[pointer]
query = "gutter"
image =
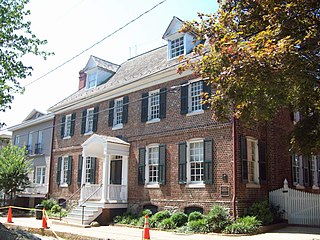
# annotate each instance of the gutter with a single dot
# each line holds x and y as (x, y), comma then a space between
(51, 158)
(234, 195)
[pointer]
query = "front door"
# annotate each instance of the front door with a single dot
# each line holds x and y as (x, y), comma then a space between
(116, 170)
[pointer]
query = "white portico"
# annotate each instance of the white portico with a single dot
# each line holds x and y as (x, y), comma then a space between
(113, 185)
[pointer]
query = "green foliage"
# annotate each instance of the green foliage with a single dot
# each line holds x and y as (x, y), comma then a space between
(14, 170)
(167, 223)
(17, 40)
(145, 212)
(179, 218)
(262, 212)
(194, 216)
(197, 226)
(276, 213)
(56, 208)
(245, 225)
(260, 57)
(218, 218)
(159, 216)
(49, 203)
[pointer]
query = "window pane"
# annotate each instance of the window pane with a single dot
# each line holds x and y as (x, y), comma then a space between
(154, 100)
(177, 47)
(153, 162)
(64, 169)
(67, 126)
(196, 161)
(88, 169)
(195, 92)
(89, 120)
(118, 109)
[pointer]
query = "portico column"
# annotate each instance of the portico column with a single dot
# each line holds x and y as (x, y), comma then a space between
(83, 176)
(105, 177)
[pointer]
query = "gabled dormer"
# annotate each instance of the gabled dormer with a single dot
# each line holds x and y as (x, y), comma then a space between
(34, 114)
(179, 43)
(96, 72)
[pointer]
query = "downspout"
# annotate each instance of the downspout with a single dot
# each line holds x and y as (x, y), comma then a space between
(234, 196)
(51, 158)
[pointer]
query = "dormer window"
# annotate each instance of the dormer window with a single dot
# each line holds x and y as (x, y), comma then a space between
(176, 47)
(91, 79)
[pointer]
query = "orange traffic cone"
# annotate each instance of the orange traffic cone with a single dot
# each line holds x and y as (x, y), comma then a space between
(44, 219)
(9, 218)
(146, 233)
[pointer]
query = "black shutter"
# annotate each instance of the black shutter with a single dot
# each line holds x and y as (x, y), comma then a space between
(184, 98)
(208, 159)
(83, 121)
(182, 164)
(141, 167)
(162, 164)
(95, 119)
(93, 170)
(63, 120)
(69, 171)
(80, 161)
(73, 119)
(262, 162)
(125, 109)
(144, 107)
(306, 172)
(111, 113)
(59, 170)
(244, 158)
(163, 103)
(206, 86)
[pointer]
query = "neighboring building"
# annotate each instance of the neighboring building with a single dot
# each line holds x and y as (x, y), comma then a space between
(137, 136)
(35, 133)
(5, 138)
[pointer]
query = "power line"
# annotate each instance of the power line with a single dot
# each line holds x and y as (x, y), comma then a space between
(95, 44)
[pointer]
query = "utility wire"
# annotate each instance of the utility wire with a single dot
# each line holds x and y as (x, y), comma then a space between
(95, 44)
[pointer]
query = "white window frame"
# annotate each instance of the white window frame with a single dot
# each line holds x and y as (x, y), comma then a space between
(152, 184)
(191, 183)
(88, 169)
(178, 37)
(315, 171)
(89, 120)
(42, 171)
(253, 160)
(92, 77)
(30, 148)
(17, 140)
(64, 171)
(154, 97)
(118, 112)
(67, 126)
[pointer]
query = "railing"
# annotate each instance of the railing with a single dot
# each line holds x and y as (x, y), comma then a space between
(88, 190)
(117, 192)
(37, 148)
(65, 202)
(90, 196)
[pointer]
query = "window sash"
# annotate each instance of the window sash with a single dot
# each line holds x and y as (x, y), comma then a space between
(177, 47)
(154, 105)
(67, 126)
(88, 169)
(40, 175)
(253, 164)
(64, 172)
(196, 160)
(195, 96)
(89, 120)
(92, 78)
(118, 111)
(153, 164)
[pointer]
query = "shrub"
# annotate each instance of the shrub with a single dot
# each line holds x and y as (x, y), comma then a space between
(167, 223)
(245, 225)
(160, 216)
(262, 212)
(56, 208)
(194, 216)
(197, 226)
(145, 212)
(179, 218)
(218, 218)
(276, 213)
(49, 203)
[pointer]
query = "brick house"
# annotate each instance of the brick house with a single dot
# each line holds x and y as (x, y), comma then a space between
(136, 136)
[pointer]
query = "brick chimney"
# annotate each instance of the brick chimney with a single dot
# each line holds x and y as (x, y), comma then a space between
(82, 79)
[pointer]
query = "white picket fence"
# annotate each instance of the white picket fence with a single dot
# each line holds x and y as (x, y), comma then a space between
(299, 207)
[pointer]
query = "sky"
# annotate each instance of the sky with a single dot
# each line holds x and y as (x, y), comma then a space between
(72, 26)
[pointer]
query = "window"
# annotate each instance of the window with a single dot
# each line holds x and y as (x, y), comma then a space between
(29, 146)
(17, 140)
(153, 105)
(195, 162)
(91, 79)
(64, 170)
(89, 120)
(118, 112)
(152, 165)
(253, 157)
(38, 146)
(191, 96)
(176, 47)
(40, 175)
(296, 169)
(67, 127)
(118, 109)
(306, 171)
(90, 169)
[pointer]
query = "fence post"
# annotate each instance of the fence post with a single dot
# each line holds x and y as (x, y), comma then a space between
(286, 199)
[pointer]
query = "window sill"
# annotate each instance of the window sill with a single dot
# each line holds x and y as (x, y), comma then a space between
(118, 126)
(298, 186)
(156, 185)
(252, 185)
(155, 120)
(195, 185)
(88, 133)
(314, 187)
(64, 185)
(195, 112)
(66, 137)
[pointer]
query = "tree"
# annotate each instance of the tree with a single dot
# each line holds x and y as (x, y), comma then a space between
(14, 169)
(16, 41)
(262, 56)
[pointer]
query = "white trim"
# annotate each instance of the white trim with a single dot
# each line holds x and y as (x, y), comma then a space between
(188, 164)
(195, 113)
(30, 123)
(252, 185)
(195, 185)
(147, 183)
(155, 120)
(118, 126)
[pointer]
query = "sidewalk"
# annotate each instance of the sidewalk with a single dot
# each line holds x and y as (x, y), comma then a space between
(126, 233)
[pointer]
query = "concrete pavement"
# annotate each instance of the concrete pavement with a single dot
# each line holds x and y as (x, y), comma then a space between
(127, 233)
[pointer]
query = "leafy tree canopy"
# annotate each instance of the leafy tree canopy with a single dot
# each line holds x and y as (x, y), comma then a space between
(14, 169)
(16, 40)
(262, 56)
